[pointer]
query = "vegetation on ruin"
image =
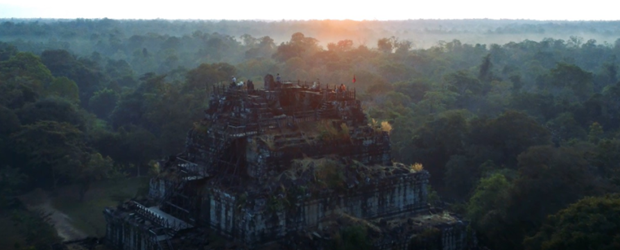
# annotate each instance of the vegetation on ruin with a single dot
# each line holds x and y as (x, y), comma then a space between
(329, 132)
(354, 237)
(428, 239)
(496, 119)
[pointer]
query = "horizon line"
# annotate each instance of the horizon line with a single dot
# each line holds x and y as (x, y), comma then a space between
(301, 20)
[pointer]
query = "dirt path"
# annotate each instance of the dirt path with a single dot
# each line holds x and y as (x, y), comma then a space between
(39, 200)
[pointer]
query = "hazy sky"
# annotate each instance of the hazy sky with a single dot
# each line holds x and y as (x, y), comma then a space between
(311, 9)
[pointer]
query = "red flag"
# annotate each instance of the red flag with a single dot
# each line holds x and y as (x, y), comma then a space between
(353, 78)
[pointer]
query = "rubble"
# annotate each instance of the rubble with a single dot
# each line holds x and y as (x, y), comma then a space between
(277, 167)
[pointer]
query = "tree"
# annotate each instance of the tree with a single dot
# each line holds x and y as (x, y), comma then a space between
(468, 87)
(299, 46)
(596, 132)
(564, 128)
(485, 68)
(590, 223)
(65, 88)
(460, 177)
(46, 143)
(207, 75)
(59, 62)
(88, 168)
(436, 101)
(86, 73)
(572, 77)
(510, 134)
(352, 238)
(487, 208)
(11, 180)
(35, 228)
(9, 123)
(607, 159)
(25, 65)
(341, 46)
(387, 45)
(436, 141)
(133, 105)
(549, 179)
(6, 51)
(130, 146)
(263, 49)
(103, 102)
(52, 109)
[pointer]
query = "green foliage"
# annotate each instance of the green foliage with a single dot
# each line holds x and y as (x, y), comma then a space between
(352, 238)
(429, 239)
(52, 109)
(60, 62)
(573, 77)
(460, 176)
(549, 179)
(11, 181)
(486, 210)
(590, 223)
(88, 168)
(509, 134)
(387, 45)
(65, 88)
(86, 73)
(596, 132)
(433, 196)
(47, 145)
(103, 102)
(328, 132)
(564, 127)
(436, 141)
(207, 75)
(436, 101)
(606, 159)
(35, 228)
(25, 65)
(489, 199)
(330, 174)
(131, 145)
(7, 51)
(9, 122)
(18, 92)
(298, 46)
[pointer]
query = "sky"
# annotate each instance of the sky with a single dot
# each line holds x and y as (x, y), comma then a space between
(312, 9)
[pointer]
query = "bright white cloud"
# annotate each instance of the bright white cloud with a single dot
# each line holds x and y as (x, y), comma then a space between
(318, 9)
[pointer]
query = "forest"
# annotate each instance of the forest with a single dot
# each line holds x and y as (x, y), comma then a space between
(518, 122)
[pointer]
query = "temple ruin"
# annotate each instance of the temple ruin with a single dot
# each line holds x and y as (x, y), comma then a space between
(285, 167)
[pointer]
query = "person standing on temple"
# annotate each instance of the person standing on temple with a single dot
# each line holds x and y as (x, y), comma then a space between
(278, 78)
(250, 86)
(233, 82)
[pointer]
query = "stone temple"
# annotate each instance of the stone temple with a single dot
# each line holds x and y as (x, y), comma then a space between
(290, 166)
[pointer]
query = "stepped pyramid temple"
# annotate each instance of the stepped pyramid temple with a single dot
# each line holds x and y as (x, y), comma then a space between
(290, 166)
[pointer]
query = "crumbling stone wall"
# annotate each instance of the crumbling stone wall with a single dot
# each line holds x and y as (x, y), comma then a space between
(267, 218)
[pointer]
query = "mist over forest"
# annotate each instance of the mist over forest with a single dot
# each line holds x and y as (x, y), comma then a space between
(421, 33)
(517, 121)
